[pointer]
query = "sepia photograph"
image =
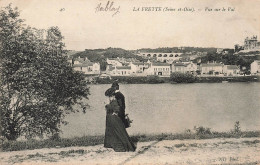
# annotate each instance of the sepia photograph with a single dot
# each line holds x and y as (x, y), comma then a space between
(130, 82)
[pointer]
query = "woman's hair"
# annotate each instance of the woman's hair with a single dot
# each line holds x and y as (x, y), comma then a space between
(110, 92)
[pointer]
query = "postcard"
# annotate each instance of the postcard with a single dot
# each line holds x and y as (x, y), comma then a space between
(130, 82)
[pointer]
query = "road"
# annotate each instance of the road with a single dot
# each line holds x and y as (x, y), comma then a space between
(208, 151)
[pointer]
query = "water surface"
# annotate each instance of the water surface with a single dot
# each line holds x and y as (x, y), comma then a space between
(171, 108)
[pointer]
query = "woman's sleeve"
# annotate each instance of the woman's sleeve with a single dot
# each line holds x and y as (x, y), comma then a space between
(115, 106)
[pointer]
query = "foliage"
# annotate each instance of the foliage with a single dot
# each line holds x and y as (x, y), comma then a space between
(95, 140)
(132, 80)
(215, 79)
(202, 130)
(182, 77)
(38, 87)
(154, 80)
(50, 143)
(237, 129)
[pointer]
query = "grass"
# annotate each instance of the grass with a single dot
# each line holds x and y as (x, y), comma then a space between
(63, 142)
(95, 140)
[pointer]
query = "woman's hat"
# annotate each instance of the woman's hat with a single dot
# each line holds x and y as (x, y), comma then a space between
(110, 92)
(115, 84)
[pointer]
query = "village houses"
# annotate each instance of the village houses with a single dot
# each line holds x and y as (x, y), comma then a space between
(114, 62)
(231, 70)
(85, 66)
(255, 67)
(211, 68)
(140, 68)
(184, 67)
(160, 69)
(118, 70)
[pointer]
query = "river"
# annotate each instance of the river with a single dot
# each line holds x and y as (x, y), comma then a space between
(173, 108)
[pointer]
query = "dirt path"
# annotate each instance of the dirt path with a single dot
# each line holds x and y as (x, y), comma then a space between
(210, 151)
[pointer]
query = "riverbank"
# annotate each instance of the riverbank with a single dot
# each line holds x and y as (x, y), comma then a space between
(201, 133)
(203, 151)
(157, 80)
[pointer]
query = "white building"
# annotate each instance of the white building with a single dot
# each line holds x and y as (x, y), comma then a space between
(159, 69)
(231, 70)
(85, 66)
(88, 68)
(184, 67)
(140, 68)
(214, 68)
(114, 62)
(255, 67)
(118, 70)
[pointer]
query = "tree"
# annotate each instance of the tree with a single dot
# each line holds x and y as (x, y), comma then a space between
(38, 86)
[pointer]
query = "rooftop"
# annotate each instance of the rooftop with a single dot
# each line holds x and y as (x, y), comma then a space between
(119, 67)
(179, 64)
(123, 67)
(83, 65)
(140, 63)
(211, 64)
(160, 64)
(232, 67)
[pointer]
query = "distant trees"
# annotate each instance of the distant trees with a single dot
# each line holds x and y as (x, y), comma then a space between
(37, 85)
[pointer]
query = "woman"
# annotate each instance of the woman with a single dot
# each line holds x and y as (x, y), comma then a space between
(116, 136)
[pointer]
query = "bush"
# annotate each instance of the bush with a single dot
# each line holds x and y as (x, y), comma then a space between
(202, 131)
(131, 80)
(154, 80)
(182, 77)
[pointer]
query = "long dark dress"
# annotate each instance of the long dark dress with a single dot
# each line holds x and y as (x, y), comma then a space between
(116, 136)
(120, 98)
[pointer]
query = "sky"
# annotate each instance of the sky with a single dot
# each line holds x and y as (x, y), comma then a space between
(84, 26)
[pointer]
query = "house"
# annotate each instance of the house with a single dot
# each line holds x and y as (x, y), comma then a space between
(211, 68)
(139, 68)
(85, 66)
(255, 67)
(219, 50)
(114, 62)
(126, 60)
(179, 67)
(184, 67)
(231, 70)
(159, 69)
(118, 70)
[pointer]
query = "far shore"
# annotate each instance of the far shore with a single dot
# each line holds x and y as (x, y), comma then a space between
(158, 80)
